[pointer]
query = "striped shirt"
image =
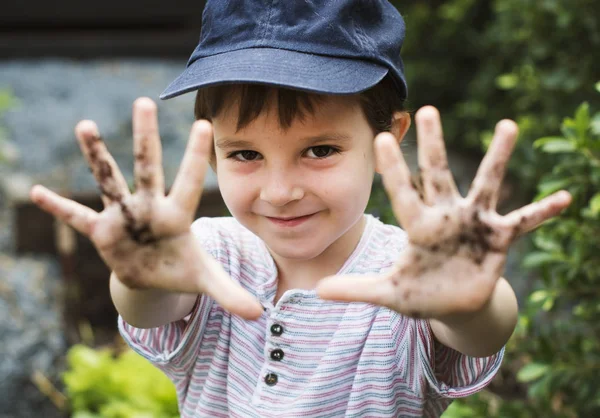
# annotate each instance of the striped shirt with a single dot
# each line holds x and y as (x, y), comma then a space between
(305, 357)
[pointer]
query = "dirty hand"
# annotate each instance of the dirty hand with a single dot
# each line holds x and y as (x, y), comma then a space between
(457, 245)
(144, 237)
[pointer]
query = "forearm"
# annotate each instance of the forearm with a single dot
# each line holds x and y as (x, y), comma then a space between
(484, 332)
(149, 308)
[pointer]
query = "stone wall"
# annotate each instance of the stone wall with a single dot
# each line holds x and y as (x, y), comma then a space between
(53, 95)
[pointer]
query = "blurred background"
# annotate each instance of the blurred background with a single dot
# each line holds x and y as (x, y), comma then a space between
(537, 62)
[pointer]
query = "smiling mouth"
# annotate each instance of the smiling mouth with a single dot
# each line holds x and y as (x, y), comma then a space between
(290, 221)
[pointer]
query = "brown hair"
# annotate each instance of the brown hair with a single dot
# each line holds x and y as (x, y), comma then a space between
(378, 103)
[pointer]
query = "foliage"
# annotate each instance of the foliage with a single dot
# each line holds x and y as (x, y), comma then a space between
(533, 61)
(7, 101)
(554, 354)
(482, 61)
(102, 385)
(557, 337)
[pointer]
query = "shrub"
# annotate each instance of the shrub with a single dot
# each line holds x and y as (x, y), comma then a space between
(556, 341)
(100, 384)
(482, 61)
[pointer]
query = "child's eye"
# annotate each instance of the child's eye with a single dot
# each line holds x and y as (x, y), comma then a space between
(323, 151)
(244, 156)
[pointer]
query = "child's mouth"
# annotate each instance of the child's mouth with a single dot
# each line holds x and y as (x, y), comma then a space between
(290, 221)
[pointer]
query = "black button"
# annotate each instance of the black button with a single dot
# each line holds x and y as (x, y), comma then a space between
(276, 330)
(277, 354)
(271, 379)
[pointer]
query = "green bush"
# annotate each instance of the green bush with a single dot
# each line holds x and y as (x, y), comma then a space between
(7, 102)
(100, 384)
(482, 61)
(556, 341)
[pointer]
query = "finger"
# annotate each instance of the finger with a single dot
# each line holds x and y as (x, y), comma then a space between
(229, 294)
(396, 177)
(147, 151)
(189, 182)
(438, 184)
(531, 216)
(80, 217)
(377, 290)
(111, 182)
(486, 186)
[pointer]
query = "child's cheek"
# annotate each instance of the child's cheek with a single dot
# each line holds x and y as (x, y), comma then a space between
(231, 168)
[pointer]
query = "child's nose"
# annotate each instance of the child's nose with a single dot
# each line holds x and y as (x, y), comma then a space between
(280, 189)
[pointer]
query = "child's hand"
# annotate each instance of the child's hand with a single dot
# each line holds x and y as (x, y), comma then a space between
(145, 237)
(457, 246)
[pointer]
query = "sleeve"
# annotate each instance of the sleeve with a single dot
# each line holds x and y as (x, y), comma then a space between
(447, 373)
(451, 374)
(439, 371)
(173, 347)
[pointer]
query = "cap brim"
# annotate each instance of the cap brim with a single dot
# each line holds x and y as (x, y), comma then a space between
(279, 67)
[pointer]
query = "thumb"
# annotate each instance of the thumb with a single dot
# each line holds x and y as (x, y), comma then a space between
(227, 293)
(376, 289)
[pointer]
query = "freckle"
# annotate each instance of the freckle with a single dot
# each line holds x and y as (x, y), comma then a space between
(417, 258)
(406, 294)
(446, 217)
(435, 248)
(395, 281)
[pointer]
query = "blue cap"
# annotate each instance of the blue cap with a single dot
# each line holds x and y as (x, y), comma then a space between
(323, 46)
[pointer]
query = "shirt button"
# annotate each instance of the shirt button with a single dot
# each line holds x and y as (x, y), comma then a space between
(276, 330)
(277, 354)
(271, 379)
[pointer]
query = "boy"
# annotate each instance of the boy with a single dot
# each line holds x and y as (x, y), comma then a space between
(300, 304)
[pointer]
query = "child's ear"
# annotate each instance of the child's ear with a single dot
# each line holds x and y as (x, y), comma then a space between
(400, 126)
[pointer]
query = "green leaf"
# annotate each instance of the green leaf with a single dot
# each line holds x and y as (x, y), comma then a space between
(548, 304)
(7, 100)
(556, 145)
(595, 204)
(538, 259)
(507, 81)
(541, 141)
(598, 86)
(545, 243)
(582, 120)
(532, 371)
(595, 124)
(550, 186)
(538, 296)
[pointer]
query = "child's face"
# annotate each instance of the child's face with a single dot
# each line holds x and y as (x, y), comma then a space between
(265, 173)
